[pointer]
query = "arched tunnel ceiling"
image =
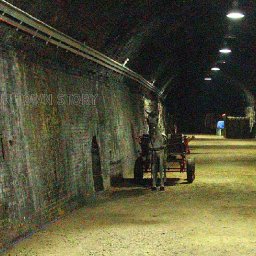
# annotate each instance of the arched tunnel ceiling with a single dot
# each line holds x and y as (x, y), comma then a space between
(163, 39)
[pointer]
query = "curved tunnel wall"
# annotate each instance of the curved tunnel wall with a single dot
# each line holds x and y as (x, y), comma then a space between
(47, 129)
(46, 165)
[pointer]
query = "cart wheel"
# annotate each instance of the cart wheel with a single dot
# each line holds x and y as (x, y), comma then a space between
(190, 170)
(138, 170)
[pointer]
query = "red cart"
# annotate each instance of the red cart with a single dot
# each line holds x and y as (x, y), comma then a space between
(176, 160)
(176, 156)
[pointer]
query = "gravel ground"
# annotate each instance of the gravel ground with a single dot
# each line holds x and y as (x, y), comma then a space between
(216, 215)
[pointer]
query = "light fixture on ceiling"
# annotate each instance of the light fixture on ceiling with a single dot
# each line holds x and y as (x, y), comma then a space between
(230, 36)
(215, 68)
(221, 62)
(208, 79)
(225, 50)
(125, 62)
(235, 13)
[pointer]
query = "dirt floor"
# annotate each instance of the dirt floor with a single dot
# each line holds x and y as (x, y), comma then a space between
(216, 215)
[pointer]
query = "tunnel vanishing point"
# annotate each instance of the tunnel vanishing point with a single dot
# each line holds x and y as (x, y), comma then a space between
(79, 78)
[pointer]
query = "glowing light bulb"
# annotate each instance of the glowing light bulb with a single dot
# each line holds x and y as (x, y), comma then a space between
(235, 15)
(225, 50)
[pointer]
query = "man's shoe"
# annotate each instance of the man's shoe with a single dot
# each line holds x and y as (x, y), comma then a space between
(153, 188)
(161, 188)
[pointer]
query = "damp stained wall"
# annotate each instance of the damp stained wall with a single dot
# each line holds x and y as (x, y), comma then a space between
(46, 140)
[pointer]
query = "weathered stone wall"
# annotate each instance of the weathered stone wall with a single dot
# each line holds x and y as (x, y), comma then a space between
(46, 161)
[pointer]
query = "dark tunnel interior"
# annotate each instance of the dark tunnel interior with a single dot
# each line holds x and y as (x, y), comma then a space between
(84, 83)
(177, 40)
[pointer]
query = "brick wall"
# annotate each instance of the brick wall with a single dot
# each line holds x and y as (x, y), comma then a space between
(46, 161)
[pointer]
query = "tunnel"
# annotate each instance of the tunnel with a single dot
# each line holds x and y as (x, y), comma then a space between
(83, 84)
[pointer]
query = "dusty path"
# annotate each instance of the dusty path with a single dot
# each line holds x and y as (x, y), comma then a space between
(216, 215)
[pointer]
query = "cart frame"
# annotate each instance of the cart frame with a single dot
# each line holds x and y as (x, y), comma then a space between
(176, 150)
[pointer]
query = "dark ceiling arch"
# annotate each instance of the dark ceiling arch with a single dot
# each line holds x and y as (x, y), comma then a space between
(148, 32)
(163, 39)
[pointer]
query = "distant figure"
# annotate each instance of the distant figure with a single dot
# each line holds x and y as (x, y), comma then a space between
(220, 128)
(221, 125)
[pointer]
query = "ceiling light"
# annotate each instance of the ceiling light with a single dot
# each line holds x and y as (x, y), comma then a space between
(225, 50)
(208, 79)
(230, 36)
(215, 69)
(125, 62)
(221, 62)
(235, 14)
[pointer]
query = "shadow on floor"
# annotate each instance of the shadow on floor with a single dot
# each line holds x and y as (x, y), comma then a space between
(128, 183)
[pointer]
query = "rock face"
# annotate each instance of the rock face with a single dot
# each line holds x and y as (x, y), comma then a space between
(59, 130)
